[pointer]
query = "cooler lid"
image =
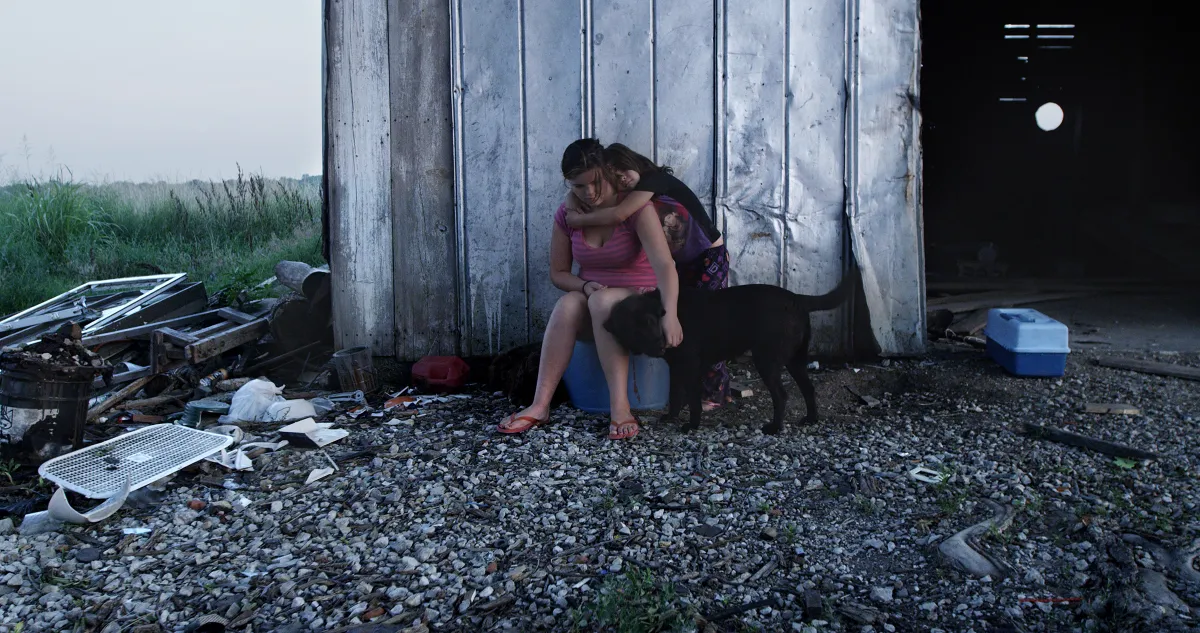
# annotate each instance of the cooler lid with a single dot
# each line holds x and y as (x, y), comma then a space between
(1028, 331)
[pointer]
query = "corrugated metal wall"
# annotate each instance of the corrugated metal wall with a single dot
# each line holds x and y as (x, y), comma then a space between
(764, 145)
(787, 117)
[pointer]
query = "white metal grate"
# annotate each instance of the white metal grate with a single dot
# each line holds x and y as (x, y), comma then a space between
(144, 456)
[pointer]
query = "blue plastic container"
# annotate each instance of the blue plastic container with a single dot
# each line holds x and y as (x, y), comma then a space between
(649, 381)
(1026, 342)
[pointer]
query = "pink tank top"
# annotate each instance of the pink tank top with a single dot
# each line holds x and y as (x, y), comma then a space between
(620, 263)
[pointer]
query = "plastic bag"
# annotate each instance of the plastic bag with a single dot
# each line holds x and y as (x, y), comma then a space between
(322, 405)
(289, 410)
(252, 400)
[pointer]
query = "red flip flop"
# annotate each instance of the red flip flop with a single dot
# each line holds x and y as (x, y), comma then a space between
(513, 431)
(614, 434)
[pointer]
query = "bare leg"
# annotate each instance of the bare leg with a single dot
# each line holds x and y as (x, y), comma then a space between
(613, 358)
(569, 318)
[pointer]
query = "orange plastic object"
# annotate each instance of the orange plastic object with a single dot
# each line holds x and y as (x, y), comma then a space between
(441, 373)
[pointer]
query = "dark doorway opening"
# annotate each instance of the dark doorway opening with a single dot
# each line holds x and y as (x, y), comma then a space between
(1061, 159)
(1063, 135)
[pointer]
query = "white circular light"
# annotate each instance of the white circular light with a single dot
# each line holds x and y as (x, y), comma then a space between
(1049, 116)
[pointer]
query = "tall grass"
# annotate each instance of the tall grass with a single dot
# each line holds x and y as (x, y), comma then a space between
(56, 234)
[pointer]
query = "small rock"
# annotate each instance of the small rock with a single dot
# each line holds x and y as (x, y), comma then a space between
(881, 594)
(6, 527)
(87, 555)
(769, 534)
(875, 543)
(710, 531)
(1034, 577)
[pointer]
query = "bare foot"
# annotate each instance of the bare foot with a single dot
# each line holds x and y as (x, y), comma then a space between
(524, 420)
(623, 430)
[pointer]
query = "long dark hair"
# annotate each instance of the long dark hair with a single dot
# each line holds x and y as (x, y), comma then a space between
(582, 155)
(620, 158)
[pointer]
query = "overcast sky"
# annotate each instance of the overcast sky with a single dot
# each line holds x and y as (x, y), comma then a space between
(156, 89)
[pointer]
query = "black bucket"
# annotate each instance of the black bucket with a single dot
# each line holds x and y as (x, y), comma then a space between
(42, 416)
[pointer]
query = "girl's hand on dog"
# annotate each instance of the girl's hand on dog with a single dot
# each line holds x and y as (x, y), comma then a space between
(672, 331)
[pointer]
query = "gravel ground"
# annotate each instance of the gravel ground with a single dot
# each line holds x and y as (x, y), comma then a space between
(438, 522)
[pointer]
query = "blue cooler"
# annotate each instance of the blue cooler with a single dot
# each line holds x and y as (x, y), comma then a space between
(1026, 342)
(649, 381)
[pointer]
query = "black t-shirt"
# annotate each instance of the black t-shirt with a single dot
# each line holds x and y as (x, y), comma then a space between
(662, 183)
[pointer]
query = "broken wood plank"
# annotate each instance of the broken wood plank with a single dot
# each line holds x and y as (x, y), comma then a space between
(1150, 367)
(178, 338)
(205, 349)
(1109, 407)
(189, 299)
(764, 570)
(149, 403)
(146, 330)
(237, 316)
(1083, 441)
(982, 301)
(118, 397)
(212, 330)
(1046, 285)
(972, 324)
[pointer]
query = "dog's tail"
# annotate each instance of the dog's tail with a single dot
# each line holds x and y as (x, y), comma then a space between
(832, 299)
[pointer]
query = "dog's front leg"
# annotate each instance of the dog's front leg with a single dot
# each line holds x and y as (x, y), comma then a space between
(674, 398)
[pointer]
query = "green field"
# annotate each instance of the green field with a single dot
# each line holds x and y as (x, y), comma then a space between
(56, 234)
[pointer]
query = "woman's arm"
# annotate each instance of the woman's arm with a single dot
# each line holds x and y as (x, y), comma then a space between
(560, 266)
(650, 232)
(610, 215)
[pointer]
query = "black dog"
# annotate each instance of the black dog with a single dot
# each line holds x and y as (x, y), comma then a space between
(719, 325)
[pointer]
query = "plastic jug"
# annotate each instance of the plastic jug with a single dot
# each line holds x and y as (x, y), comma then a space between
(441, 373)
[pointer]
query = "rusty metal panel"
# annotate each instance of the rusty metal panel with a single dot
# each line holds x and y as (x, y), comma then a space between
(622, 73)
(360, 174)
(553, 75)
(683, 117)
(753, 51)
(886, 210)
(492, 205)
(814, 171)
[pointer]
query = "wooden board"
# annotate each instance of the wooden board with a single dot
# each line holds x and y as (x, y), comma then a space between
(1150, 367)
(422, 181)
(359, 174)
(999, 299)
